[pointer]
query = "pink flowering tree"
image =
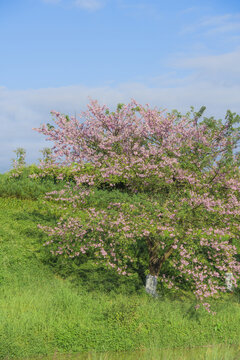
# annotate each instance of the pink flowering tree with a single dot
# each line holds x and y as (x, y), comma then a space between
(188, 225)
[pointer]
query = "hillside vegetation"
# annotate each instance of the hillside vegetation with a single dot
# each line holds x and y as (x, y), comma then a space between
(51, 304)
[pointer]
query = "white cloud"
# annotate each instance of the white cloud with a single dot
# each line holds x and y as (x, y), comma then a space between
(214, 82)
(220, 69)
(222, 24)
(90, 5)
(213, 25)
(220, 20)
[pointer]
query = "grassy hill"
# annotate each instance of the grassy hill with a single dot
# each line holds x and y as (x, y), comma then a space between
(49, 304)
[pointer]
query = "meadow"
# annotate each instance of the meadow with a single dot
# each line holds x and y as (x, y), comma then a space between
(54, 308)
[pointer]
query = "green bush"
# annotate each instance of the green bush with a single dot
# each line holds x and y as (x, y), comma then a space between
(23, 187)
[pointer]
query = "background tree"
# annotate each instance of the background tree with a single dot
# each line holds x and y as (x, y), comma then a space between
(20, 161)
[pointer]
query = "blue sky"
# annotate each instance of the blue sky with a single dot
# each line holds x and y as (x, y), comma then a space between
(56, 53)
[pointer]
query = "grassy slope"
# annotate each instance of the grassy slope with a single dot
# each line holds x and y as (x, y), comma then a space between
(40, 312)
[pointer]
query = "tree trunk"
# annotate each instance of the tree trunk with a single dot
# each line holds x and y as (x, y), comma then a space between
(228, 281)
(155, 264)
(151, 285)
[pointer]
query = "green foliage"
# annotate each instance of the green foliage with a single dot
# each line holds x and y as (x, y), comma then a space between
(23, 187)
(59, 175)
(20, 161)
(46, 153)
(49, 126)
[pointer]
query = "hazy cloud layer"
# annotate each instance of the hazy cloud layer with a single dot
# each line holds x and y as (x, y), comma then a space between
(214, 82)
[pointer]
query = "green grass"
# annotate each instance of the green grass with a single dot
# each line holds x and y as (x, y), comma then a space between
(216, 352)
(49, 306)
